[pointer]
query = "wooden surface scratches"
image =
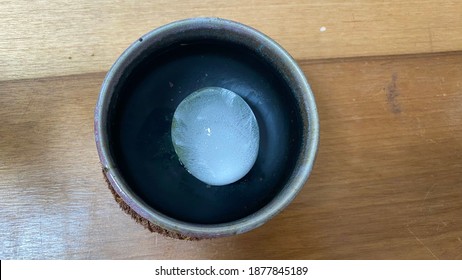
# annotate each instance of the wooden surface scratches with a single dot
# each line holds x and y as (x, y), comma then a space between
(56, 38)
(387, 182)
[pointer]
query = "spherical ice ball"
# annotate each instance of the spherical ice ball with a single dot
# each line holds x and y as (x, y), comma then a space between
(215, 135)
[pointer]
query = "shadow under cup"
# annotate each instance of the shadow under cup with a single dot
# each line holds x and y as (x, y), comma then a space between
(134, 117)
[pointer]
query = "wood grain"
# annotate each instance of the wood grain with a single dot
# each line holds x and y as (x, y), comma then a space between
(387, 183)
(55, 38)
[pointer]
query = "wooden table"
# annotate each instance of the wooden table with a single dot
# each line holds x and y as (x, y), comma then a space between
(387, 76)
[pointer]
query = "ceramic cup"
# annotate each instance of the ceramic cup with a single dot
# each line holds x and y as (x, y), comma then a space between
(133, 120)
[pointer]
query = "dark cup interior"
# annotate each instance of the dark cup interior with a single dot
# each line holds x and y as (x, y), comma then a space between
(140, 116)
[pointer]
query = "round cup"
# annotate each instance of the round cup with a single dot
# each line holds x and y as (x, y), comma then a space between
(134, 113)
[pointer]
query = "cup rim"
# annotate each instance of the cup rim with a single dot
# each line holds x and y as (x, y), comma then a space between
(267, 48)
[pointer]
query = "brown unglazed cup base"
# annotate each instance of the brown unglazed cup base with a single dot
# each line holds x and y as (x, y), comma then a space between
(143, 221)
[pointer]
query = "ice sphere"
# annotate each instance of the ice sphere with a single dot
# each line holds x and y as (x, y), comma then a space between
(215, 135)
